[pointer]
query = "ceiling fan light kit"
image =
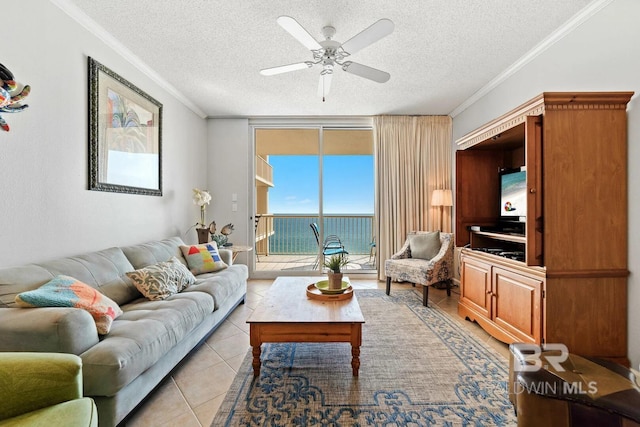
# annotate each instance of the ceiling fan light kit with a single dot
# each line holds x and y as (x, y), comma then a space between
(329, 53)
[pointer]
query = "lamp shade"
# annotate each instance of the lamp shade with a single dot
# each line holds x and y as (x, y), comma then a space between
(442, 198)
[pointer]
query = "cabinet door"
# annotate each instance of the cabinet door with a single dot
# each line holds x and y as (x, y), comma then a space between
(517, 305)
(476, 286)
(534, 221)
(477, 188)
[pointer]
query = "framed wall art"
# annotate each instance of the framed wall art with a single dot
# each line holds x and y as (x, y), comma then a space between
(125, 135)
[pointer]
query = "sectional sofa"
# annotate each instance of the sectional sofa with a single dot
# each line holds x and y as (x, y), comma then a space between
(144, 344)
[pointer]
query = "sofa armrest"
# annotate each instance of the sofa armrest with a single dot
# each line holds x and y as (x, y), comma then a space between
(226, 255)
(31, 381)
(47, 329)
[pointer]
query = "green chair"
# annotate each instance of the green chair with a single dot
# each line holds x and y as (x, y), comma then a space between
(43, 389)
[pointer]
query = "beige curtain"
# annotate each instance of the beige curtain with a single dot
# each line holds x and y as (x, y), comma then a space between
(413, 158)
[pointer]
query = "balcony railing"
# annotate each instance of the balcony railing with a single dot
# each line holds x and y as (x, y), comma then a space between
(292, 234)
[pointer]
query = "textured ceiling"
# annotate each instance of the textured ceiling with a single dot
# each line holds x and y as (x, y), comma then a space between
(440, 53)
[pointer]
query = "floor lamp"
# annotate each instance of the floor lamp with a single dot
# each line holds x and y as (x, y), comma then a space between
(441, 198)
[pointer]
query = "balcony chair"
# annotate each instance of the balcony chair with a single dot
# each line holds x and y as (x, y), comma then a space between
(257, 222)
(426, 258)
(372, 250)
(43, 389)
(332, 245)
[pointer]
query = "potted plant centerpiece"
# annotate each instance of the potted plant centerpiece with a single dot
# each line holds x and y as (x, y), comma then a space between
(334, 264)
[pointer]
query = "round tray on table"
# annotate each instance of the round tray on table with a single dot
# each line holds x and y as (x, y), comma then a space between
(313, 292)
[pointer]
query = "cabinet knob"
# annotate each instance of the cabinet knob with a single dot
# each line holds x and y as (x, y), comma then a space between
(532, 190)
(489, 292)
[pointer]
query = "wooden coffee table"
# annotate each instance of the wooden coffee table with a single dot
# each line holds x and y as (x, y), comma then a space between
(285, 314)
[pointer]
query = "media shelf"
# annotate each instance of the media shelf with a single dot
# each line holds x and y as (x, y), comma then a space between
(503, 237)
(507, 245)
(548, 283)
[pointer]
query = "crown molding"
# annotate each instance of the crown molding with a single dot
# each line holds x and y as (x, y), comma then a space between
(94, 28)
(545, 44)
(324, 121)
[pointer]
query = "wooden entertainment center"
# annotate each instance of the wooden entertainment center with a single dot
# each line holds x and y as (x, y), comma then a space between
(562, 276)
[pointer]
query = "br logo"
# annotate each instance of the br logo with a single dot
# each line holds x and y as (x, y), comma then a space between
(554, 355)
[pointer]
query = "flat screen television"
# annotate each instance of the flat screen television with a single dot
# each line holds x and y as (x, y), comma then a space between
(513, 194)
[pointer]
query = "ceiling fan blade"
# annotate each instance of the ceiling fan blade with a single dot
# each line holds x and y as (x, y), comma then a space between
(298, 32)
(324, 85)
(368, 36)
(366, 72)
(284, 69)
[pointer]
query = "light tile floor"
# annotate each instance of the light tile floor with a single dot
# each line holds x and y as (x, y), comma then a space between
(193, 394)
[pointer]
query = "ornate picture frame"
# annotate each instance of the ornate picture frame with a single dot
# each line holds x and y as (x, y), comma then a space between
(125, 135)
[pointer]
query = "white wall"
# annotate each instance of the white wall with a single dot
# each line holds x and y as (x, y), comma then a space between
(229, 168)
(46, 210)
(603, 54)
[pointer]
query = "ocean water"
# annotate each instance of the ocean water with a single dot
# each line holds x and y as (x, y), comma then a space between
(293, 235)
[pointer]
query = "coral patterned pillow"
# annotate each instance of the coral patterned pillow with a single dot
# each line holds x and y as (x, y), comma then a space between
(65, 291)
(203, 258)
(160, 281)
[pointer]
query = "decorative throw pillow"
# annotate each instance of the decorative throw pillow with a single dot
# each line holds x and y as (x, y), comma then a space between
(203, 258)
(425, 245)
(65, 291)
(181, 274)
(160, 281)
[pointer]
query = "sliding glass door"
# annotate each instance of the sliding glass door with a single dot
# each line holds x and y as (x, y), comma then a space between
(311, 183)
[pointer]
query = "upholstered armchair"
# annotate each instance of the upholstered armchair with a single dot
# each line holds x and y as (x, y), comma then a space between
(426, 265)
(43, 389)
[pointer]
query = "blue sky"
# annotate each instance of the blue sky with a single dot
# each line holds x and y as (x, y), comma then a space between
(348, 184)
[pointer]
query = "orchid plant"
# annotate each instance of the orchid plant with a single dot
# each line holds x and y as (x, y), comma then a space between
(201, 198)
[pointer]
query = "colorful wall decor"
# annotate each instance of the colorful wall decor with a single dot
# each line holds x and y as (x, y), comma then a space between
(125, 135)
(11, 95)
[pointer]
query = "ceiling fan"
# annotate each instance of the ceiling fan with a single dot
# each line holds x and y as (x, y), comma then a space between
(329, 53)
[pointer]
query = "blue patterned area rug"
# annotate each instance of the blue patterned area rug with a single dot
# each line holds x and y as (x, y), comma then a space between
(419, 367)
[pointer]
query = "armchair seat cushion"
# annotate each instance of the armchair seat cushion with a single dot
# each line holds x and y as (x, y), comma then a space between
(78, 413)
(413, 270)
(43, 389)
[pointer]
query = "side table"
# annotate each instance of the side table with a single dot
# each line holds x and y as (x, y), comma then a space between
(236, 249)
